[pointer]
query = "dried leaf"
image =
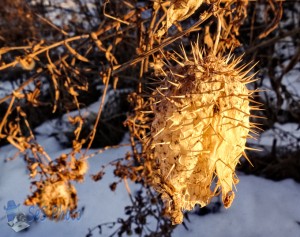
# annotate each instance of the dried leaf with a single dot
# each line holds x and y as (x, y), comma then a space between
(207, 38)
(98, 176)
(76, 54)
(4, 50)
(180, 10)
(26, 63)
(113, 186)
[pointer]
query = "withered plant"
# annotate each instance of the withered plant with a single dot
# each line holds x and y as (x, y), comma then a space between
(180, 81)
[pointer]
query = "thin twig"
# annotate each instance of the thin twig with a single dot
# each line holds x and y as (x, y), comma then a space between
(162, 45)
(93, 133)
(218, 36)
(272, 41)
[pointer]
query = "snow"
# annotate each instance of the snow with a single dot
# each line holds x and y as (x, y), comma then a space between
(261, 207)
(287, 134)
(101, 205)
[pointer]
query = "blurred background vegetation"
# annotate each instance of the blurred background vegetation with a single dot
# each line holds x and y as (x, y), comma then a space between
(60, 56)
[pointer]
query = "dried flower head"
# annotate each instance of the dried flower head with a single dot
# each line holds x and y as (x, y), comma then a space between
(55, 199)
(79, 169)
(199, 131)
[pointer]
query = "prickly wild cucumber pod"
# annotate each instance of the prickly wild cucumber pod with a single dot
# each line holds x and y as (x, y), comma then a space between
(199, 130)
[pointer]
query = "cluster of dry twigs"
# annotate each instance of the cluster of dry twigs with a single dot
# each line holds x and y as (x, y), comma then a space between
(56, 59)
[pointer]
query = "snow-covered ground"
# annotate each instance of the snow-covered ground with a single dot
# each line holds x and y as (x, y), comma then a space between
(261, 207)
(101, 205)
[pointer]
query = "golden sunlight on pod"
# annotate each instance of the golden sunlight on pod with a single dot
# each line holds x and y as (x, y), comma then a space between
(199, 131)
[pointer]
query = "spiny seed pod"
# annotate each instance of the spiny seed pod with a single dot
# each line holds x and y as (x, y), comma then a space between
(199, 131)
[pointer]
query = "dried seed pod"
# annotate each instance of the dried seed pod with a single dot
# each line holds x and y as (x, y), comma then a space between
(199, 131)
